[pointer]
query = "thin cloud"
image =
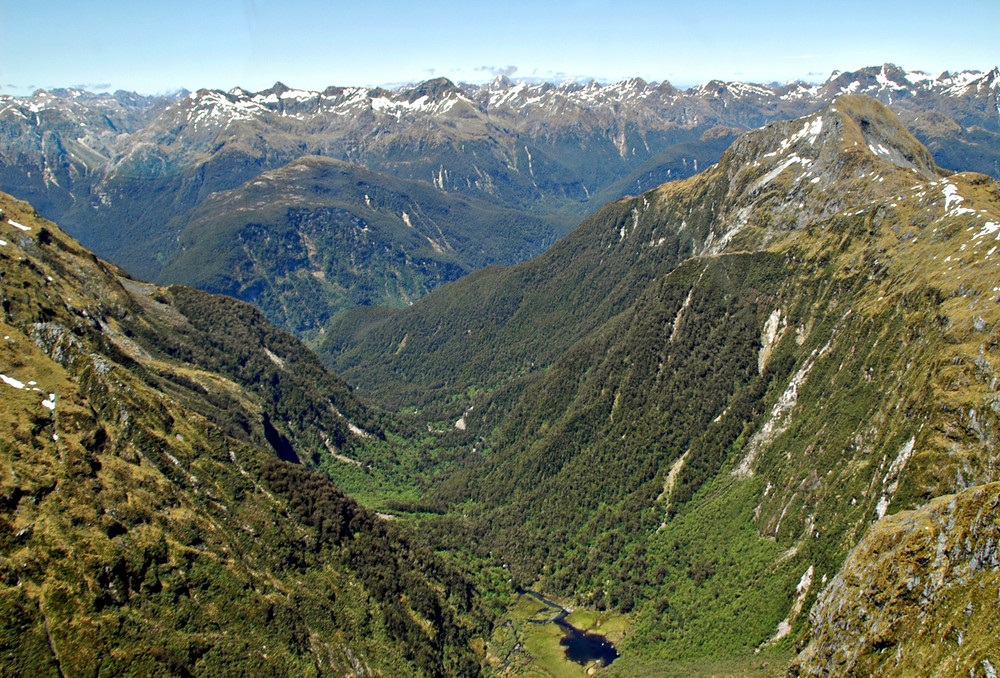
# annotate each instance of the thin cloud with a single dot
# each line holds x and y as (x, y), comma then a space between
(92, 87)
(820, 56)
(496, 71)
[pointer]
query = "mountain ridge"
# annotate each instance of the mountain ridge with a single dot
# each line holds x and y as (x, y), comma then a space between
(130, 175)
(129, 189)
(807, 352)
(315, 236)
(745, 176)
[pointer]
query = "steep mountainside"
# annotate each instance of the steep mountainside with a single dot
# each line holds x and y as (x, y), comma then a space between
(57, 144)
(128, 175)
(531, 314)
(318, 235)
(150, 521)
(695, 406)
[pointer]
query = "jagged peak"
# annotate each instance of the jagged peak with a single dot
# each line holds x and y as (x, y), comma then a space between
(201, 93)
(788, 174)
(734, 89)
(849, 124)
(895, 81)
(278, 88)
(435, 90)
(500, 82)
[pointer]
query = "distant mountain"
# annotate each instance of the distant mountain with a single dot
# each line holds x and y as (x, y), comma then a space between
(57, 144)
(157, 512)
(719, 404)
(316, 236)
(129, 174)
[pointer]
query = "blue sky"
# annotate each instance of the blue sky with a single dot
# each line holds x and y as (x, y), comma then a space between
(154, 47)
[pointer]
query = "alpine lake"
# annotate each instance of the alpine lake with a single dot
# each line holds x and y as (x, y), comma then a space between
(542, 638)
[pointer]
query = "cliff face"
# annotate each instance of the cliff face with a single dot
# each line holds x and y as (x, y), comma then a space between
(918, 595)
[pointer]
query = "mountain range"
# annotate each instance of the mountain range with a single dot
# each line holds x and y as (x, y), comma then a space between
(136, 178)
(744, 417)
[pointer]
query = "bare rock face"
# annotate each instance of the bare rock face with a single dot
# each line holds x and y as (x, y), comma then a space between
(917, 596)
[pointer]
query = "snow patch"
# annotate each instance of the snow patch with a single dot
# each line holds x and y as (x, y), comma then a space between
(17, 225)
(811, 129)
(989, 228)
(773, 174)
(51, 402)
(11, 381)
(299, 94)
(951, 196)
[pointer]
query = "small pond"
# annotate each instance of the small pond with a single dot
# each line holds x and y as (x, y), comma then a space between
(582, 647)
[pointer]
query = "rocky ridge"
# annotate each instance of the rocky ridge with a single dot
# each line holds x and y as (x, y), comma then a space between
(109, 168)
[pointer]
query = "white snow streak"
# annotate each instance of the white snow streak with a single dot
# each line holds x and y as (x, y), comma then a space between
(11, 381)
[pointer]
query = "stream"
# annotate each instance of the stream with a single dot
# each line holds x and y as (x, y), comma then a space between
(582, 647)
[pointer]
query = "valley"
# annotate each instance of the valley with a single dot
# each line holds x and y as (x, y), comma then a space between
(738, 419)
(311, 203)
(769, 437)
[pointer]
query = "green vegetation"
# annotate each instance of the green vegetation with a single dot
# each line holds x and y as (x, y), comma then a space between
(630, 443)
(318, 236)
(767, 665)
(717, 421)
(139, 537)
(523, 644)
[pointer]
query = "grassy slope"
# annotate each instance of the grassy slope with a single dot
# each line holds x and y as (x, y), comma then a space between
(141, 538)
